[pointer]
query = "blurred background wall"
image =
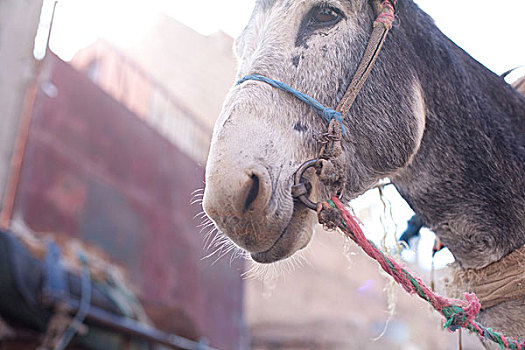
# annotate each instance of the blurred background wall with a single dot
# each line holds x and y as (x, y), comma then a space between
(109, 150)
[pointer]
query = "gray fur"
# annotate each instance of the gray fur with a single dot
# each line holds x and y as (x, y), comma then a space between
(508, 317)
(447, 131)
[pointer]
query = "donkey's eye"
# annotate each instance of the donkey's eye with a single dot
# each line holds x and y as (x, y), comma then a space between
(324, 15)
(319, 18)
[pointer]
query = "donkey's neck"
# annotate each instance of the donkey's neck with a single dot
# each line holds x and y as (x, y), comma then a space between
(467, 181)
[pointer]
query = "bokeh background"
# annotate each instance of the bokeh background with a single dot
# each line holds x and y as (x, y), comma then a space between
(107, 109)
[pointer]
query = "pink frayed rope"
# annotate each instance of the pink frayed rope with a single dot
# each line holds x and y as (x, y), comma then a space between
(386, 262)
(457, 313)
(386, 16)
(472, 307)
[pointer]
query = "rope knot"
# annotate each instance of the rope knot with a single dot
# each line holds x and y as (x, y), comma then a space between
(387, 15)
(461, 316)
(473, 306)
(330, 114)
(455, 317)
(328, 216)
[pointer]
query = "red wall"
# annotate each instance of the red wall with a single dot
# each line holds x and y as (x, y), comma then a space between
(93, 170)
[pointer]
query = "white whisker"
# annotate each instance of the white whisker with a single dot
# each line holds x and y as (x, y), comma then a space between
(196, 201)
(197, 215)
(199, 190)
(213, 232)
(211, 237)
(229, 247)
(271, 273)
(198, 195)
(205, 225)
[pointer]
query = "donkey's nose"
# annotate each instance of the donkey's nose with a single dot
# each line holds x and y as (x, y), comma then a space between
(254, 193)
(251, 193)
(238, 193)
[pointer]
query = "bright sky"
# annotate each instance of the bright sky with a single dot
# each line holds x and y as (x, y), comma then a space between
(491, 31)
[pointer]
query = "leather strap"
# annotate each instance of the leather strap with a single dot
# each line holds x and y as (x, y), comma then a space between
(494, 284)
(382, 26)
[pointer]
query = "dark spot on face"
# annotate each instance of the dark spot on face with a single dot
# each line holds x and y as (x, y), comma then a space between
(295, 60)
(303, 34)
(301, 40)
(300, 127)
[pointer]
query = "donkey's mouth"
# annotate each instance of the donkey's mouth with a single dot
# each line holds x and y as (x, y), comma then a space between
(281, 249)
(276, 252)
(294, 237)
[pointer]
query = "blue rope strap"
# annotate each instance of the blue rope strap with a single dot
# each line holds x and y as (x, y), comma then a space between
(85, 304)
(327, 113)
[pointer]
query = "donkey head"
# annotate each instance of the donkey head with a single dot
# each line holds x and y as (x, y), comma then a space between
(263, 134)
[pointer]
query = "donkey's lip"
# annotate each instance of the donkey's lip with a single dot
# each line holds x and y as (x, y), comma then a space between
(275, 252)
(288, 242)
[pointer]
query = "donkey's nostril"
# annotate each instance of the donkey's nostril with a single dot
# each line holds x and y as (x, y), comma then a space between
(237, 193)
(252, 193)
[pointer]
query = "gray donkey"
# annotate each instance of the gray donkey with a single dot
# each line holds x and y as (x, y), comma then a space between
(448, 132)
